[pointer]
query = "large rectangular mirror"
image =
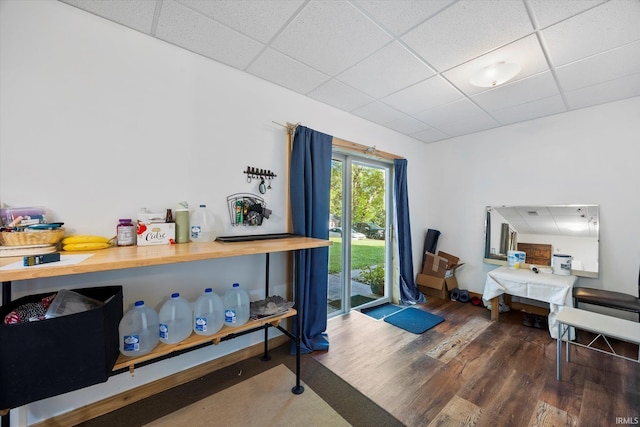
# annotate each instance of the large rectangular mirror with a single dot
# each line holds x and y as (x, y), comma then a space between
(543, 231)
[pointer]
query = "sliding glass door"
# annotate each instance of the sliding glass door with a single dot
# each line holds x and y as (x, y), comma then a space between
(359, 259)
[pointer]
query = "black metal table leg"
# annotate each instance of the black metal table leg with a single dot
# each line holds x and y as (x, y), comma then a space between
(6, 299)
(299, 388)
(6, 292)
(266, 356)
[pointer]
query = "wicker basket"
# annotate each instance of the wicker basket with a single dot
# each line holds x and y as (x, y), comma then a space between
(31, 237)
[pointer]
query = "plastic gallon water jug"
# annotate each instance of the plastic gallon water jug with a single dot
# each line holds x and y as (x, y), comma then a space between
(175, 320)
(208, 313)
(138, 330)
(202, 225)
(236, 306)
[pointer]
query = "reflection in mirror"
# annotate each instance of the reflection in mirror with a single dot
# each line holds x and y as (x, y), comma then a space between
(541, 232)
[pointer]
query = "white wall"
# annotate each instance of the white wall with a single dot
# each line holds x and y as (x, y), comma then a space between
(99, 120)
(588, 156)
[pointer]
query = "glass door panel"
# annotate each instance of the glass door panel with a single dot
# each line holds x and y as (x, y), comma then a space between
(358, 220)
(368, 241)
(336, 291)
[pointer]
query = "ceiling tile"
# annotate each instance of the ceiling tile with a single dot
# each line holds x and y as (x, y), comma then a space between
(260, 20)
(330, 36)
(284, 71)
(340, 96)
(612, 90)
(446, 113)
(188, 29)
(424, 95)
(522, 91)
(136, 15)
(395, 68)
(604, 27)
(530, 110)
(430, 135)
(400, 16)
(457, 118)
(525, 52)
(551, 12)
(468, 29)
(610, 65)
(469, 124)
(407, 125)
(378, 112)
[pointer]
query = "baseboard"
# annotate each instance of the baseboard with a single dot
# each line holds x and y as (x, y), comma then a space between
(128, 397)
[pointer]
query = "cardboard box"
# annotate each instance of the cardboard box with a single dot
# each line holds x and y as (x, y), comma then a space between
(438, 275)
(156, 233)
(438, 265)
(438, 287)
(53, 356)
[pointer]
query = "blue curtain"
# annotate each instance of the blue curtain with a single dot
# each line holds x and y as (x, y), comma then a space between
(310, 183)
(409, 293)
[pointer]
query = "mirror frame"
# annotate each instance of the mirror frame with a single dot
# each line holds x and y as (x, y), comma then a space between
(501, 260)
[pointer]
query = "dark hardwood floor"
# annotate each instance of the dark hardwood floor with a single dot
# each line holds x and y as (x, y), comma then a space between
(469, 371)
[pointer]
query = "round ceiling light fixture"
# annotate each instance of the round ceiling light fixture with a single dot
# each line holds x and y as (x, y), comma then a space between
(495, 74)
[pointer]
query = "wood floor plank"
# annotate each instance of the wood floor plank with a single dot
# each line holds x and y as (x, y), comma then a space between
(426, 402)
(566, 395)
(547, 415)
(451, 346)
(596, 408)
(512, 402)
(458, 412)
(486, 382)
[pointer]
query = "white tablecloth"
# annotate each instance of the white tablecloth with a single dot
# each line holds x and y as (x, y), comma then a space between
(555, 289)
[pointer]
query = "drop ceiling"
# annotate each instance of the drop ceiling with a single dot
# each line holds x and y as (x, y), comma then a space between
(574, 220)
(406, 64)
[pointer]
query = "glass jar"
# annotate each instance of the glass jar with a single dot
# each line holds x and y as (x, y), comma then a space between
(126, 232)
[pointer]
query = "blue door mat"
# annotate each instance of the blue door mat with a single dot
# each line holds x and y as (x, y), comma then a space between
(380, 311)
(414, 320)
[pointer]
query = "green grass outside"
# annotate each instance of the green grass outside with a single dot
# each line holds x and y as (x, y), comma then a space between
(363, 253)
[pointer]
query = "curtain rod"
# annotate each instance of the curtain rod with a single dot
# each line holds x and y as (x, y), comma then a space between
(351, 146)
(369, 151)
(291, 127)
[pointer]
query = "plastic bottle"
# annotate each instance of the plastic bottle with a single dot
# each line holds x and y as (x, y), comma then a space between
(236, 306)
(202, 225)
(175, 320)
(138, 330)
(208, 313)
(182, 223)
(126, 232)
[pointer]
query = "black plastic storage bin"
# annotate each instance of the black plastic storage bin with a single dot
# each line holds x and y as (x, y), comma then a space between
(54, 356)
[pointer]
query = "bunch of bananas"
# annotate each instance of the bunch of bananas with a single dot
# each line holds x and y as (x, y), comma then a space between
(86, 242)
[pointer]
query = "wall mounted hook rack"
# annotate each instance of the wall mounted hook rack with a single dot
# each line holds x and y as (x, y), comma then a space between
(255, 173)
(262, 174)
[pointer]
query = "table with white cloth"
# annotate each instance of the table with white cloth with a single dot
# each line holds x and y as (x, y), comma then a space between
(557, 290)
